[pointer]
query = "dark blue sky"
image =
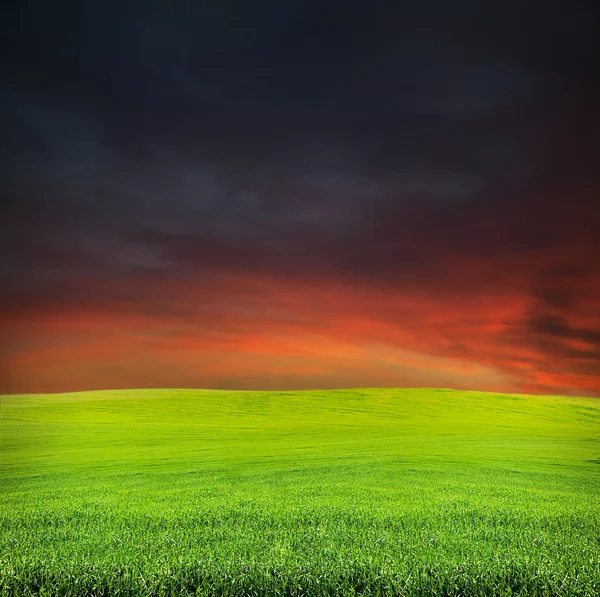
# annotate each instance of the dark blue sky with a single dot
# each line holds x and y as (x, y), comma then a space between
(411, 183)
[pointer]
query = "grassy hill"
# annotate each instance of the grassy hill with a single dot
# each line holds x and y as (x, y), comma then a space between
(369, 491)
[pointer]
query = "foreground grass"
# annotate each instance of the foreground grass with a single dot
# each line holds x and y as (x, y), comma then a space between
(374, 492)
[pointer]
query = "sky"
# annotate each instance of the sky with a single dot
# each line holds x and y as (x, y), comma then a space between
(301, 194)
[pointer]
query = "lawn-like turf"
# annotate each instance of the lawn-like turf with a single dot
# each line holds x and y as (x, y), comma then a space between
(377, 492)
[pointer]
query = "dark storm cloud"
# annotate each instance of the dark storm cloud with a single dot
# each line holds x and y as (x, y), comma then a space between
(382, 144)
(555, 326)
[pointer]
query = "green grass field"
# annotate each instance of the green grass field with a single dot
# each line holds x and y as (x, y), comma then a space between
(371, 492)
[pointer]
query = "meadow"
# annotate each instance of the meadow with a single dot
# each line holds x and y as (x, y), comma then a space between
(347, 492)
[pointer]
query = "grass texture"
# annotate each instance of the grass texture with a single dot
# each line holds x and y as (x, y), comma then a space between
(349, 492)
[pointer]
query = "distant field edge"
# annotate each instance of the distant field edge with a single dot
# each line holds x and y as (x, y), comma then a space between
(120, 390)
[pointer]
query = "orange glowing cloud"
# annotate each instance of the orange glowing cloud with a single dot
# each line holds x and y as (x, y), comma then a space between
(265, 333)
